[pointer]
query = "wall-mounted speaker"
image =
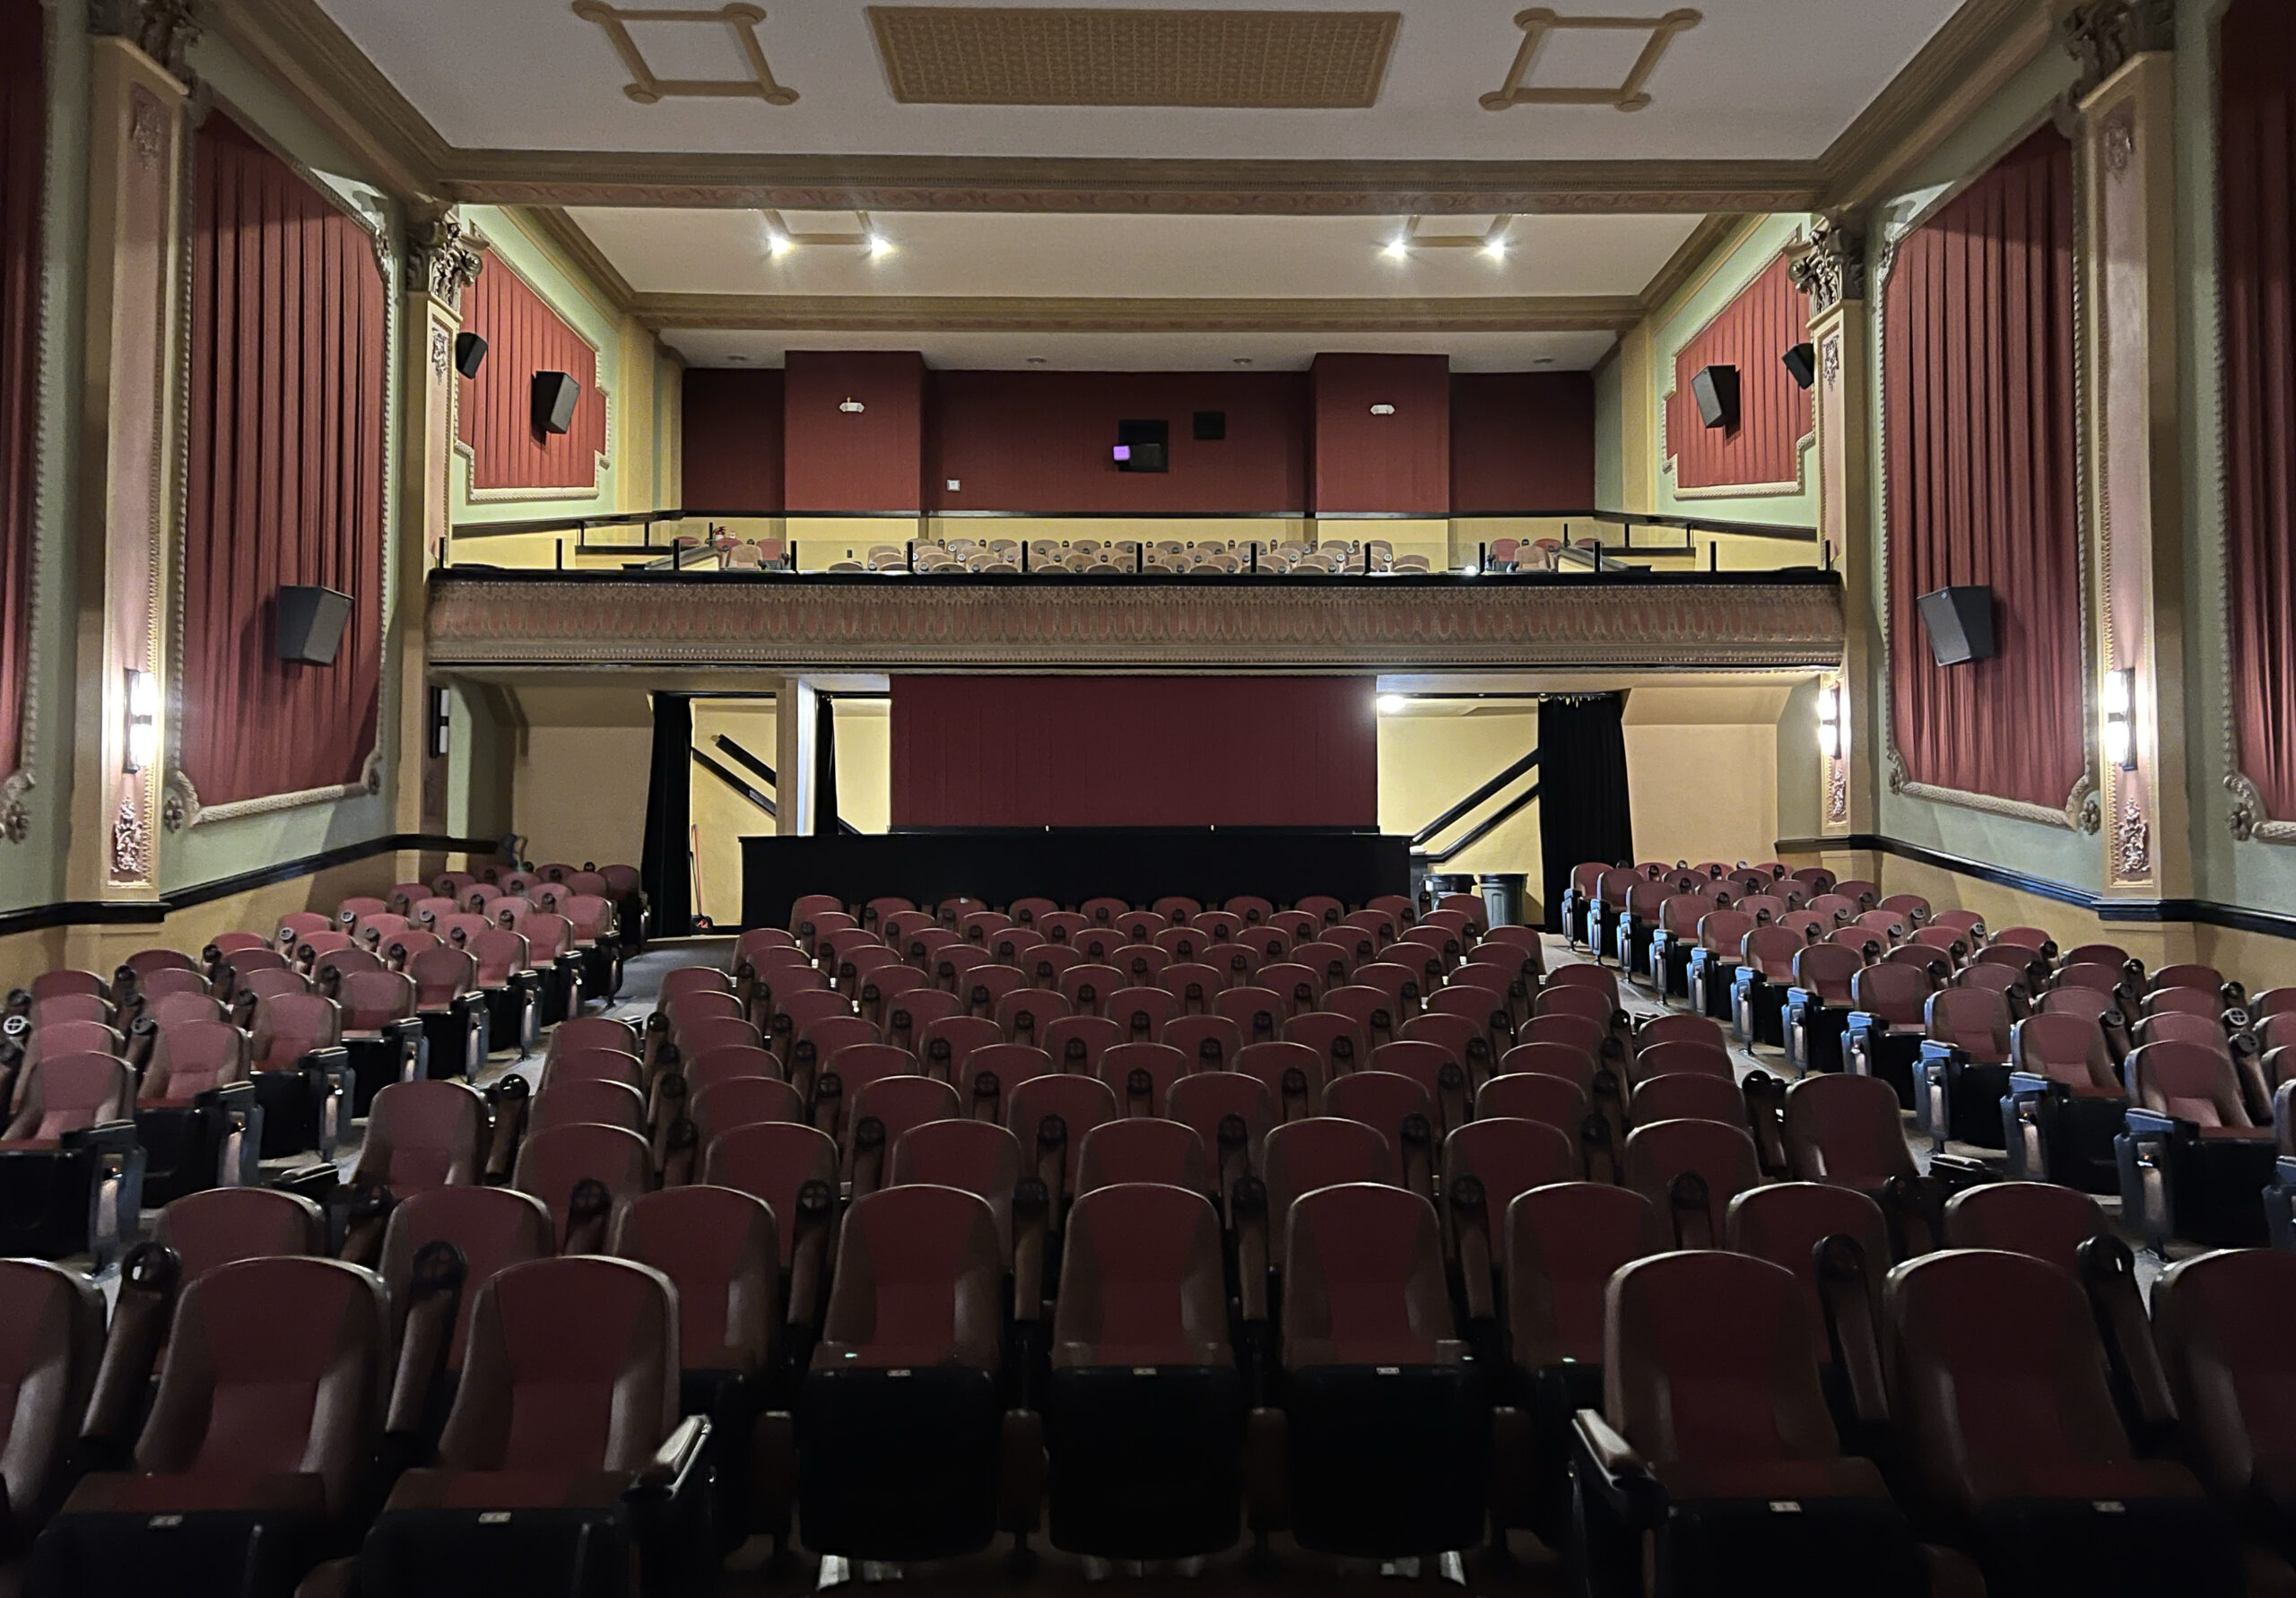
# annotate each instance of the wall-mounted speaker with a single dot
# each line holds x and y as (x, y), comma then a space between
(555, 397)
(1144, 445)
(1715, 389)
(470, 353)
(310, 623)
(1960, 624)
(1802, 361)
(1211, 426)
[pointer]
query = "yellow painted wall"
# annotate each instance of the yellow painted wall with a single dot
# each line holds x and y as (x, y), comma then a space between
(580, 772)
(1431, 758)
(721, 817)
(1702, 771)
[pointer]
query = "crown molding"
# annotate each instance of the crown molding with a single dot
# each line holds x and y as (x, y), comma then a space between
(299, 47)
(1964, 64)
(553, 223)
(966, 313)
(1120, 185)
(1712, 235)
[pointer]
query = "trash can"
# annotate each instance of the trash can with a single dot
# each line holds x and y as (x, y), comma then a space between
(1504, 892)
(1437, 885)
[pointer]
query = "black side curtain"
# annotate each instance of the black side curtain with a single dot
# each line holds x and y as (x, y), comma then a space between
(825, 816)
(1583, 814)
(666, 866)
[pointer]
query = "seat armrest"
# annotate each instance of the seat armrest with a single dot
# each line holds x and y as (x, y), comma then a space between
(2143, 1122)
(106, 1137)
(2031, 1083)
(667, 1474)
(1616, 1473)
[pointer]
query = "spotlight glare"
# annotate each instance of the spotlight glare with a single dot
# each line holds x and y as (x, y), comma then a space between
(1393, 704)
(779, 245)
(879, 245)
(1496, 249)
(1397, 250)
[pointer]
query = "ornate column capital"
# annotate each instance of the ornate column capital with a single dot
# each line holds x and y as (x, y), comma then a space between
(2101, 35)
(1830, 268)
(163, 29)
(440, 261)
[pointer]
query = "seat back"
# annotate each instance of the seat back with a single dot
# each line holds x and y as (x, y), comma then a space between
(1561, 1246)
(422, 1134)
(1785, 1222)
(720, 1248)
(1658, 1155)
(1145, 1151)
(1846, 1129)
(2065, 1046)
(919, 1269)
(2040, 1219)
(1140, 1282)
(1509, 1157)
(1303, 1156)
(51, 1341)
(2188, 1080)
(1363, 1280)
(552, 1163)
(571, 1369)
(1898, 994)
(2220, 1323)
(68, 1094)
(1687, 1096)
(773, 1160)
(592, 1103)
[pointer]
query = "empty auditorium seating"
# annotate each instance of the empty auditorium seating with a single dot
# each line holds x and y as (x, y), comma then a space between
(71, 1169)
(2192, 1163)
(2066, 1102)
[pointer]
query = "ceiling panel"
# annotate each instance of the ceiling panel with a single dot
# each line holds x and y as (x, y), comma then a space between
(1154, 351)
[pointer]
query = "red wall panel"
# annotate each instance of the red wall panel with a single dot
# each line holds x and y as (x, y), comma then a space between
(1134, 751)
(289, 362)
(871, 459)
(24, 160)
(1775, 414)
(1398, 464)
(733, 439)
(1040, 440)
(1522, 441)
(494, 415)
(1977, 328)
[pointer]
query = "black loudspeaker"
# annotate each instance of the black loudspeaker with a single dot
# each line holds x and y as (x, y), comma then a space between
(1716, 388)
(555, 394)
(470, 353)
(1802, 361)
(1960, 623)
(310, 624)
(1144, 445)
(1211, 426)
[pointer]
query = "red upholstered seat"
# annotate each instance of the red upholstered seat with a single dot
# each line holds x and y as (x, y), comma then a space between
(1363, 1280)
(191, 1057)
(1380, 1100)
(1340, 1040)
(222, 1224)
(1846, 1130)
(51, 1340)
(2221, 1322)
(721, 1250)
(551, 1164)
(1301, 1156)
(2039, 1219)
(1687, 1096)
(422, 1135)
(773, 1161)
(1142, 1075)
(1681, 1058)
(592, 1064)
(1144, 1150)
(594, 1103)
(1207, 1099)
(66, 1093)
(1659, 1154)
(1552, 1100)
(1210, 1042)
(1785, 1222)
(1075, 1104)
(1509, 1156)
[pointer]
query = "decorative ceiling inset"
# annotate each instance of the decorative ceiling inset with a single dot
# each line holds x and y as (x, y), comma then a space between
(648, 89)
(1077, 55)
(1541, 23)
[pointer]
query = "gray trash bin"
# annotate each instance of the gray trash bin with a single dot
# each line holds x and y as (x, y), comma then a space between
(1504, 892)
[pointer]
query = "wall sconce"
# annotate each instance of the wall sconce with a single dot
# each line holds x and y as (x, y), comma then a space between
(851, 407)
(441, 708)
(142, 746)
(1383, 410)
(2117, 702)
(1830, 742)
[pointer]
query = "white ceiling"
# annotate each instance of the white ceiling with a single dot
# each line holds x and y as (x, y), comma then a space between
(1757, 79)
(1151, 351)
(724, 252)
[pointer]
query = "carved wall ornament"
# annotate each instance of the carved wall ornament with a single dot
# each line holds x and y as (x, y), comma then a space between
(442, 353)
(1833, 363)
(15, 817)
(2120, 141)
(1633, 95)
(2101, 35)
(1837, 790)
(1831, 266)
(439, 262)
(147, 133)
(741, 22)
(131, 843)
(2132, 844)
(163, 29)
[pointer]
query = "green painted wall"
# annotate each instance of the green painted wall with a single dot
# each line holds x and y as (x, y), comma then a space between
(1610, 439)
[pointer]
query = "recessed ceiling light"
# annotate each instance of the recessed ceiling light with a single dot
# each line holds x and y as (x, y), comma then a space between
(1036, 361)
(1397, 250)
(1496, 249)
(1393, 704)
(879, 245)
(1243, 361)
(779, 245)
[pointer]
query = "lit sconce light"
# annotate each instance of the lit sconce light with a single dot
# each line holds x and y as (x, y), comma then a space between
(441, 708)
(1393, 704)
(880, 246)
(851, 407)
(1496, 249)
(2117, 703)
(142, 746)
(1398, 248)
(1383, 410)
(1829, 723)
(779, 245)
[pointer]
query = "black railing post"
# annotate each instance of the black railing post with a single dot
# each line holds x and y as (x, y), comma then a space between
(912, 557)
(562, 555)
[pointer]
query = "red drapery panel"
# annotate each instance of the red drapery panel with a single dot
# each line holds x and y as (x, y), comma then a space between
(1978, 325)
(1134, 751)
(494, 412)
(289, 360)
(24, 143)
(2257, 181)
(1775, 415)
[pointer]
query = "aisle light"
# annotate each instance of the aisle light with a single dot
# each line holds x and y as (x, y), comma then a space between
(2116, 700)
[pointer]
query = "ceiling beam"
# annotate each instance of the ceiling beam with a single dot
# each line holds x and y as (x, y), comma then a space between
(299, 47)
(957, 312)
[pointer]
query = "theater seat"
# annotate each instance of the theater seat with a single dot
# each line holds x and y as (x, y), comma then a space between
(563, 1468)
(1882, 1036)
(492, 1227)
(1817, 1004)
(1690, 1171)
(71, 1171)
(227, 1224)
(1964, 1069)
(900, 1423)
(422, 1135)
(1388, 1424)
(2220, 1321)
(558, 1165)
(2015, 1441)
(2192, 1162)
(195, 1113)
(251, 1463)
(1139, 1150)
(2066, 1102)
(1846, 1130)
(51, 1340)
(302, 1073)
(1144, 1410)
(1714, 1449)
(2039, 1219)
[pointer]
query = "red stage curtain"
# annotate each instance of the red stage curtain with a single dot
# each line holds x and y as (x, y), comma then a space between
(1775, 414)
(24, 143)
(1978, 325)
(1134, 751)
(494, 412)
(289, 362)
(2257, 187)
